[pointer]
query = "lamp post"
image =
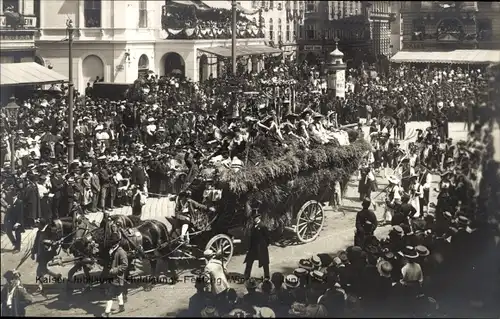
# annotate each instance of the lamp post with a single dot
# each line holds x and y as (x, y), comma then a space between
(12, 110)
(233, 36)
(71, 142)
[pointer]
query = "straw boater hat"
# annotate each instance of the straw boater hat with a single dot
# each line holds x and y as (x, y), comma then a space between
(292, 281)
(266, 312)
(208, 253)
(384, 268)
(306, 264)
(463, 221)
(422, 251)
(409, 252)
(316, 261)
(393, 179)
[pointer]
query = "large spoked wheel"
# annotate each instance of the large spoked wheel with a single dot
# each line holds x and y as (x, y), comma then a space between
(310, 220)
(223, 246)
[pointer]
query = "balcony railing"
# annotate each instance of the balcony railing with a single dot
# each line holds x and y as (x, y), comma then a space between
(29, 22)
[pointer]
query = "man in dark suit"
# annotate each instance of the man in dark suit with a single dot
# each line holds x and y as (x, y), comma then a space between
(57, 187)
(138, 176)
(105, 182)
(43, 252)
(31, 200)
(259, 243)
(15, 298)
(119, 264)
(14, 219)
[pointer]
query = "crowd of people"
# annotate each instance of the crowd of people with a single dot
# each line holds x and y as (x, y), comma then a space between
(128, 150)
(395, 275)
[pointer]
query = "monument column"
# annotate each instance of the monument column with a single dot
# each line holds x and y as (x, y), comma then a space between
(335, 71)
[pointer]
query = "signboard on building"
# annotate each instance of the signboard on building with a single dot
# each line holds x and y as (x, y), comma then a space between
(29, 22)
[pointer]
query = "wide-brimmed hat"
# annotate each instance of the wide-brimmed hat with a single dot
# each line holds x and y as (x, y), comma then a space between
(306, 111)
(463, 221)
(318, 275)
(266, 312)
(393, 179)
(447, 215)
(316, 261)
(410, 252)
(292, 281)
(422, 251)
(384, 268)
(237, 313)
(300, 272)
(306, 264)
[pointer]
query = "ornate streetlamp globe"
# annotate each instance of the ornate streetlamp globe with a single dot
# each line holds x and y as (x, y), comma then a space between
(12, 109)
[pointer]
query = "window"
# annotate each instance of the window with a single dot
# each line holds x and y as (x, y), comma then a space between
(280, 6)
(295, 5)
(143, 13)
(92, 13)
(262, 4)
(310, 32)
(271, 5)
(287, 32)
(279, 31)
(310, 6)
(271, 29)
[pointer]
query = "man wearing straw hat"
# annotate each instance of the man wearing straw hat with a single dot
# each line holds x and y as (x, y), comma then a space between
(15, 298)
(216, 269)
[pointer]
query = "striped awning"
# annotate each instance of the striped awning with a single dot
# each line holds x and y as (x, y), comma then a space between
(452, 57)
(28, 73)
(241, 50)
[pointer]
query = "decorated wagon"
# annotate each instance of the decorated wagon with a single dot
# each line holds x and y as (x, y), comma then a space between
(290, 184)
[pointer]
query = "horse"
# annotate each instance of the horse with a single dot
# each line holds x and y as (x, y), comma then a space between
(151, 240)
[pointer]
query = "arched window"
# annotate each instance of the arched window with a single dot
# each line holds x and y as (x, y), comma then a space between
(271, 29)
(143, 13)
(92, 13)
(143, 65)
(279, 31)
(288, 35)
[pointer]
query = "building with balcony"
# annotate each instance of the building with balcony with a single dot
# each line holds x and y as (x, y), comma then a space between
(18, 25)
(116, 41)
(449, 25)
(326, 21)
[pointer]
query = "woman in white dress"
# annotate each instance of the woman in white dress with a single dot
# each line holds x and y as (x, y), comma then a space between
(416, 193)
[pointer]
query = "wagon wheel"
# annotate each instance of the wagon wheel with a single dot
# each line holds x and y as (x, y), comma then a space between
(222, 245)
(310, 219)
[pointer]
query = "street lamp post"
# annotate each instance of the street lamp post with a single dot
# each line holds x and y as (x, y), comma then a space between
(12, 110)
(71, 142)
(233, 36)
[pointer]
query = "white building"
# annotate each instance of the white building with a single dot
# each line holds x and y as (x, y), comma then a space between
(114, 40)
(280, 24)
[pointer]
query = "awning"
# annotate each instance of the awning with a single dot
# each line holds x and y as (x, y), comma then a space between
(456, 57)
(221, 4)
(28, 73)
(241, 50)
(198, 4)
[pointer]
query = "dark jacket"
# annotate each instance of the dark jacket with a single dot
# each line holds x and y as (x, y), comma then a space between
(119, 265)
(20, 300)
(40, 250)
(362, 217)
(104, 178)
(138, 175)
(259, 242)
(31, 201)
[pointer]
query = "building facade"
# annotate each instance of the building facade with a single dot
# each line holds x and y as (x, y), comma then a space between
(381, 16)
(118, 40)
(325, 22)
(281, 21)
(18, 25)
(396, 27)
(448, 25)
